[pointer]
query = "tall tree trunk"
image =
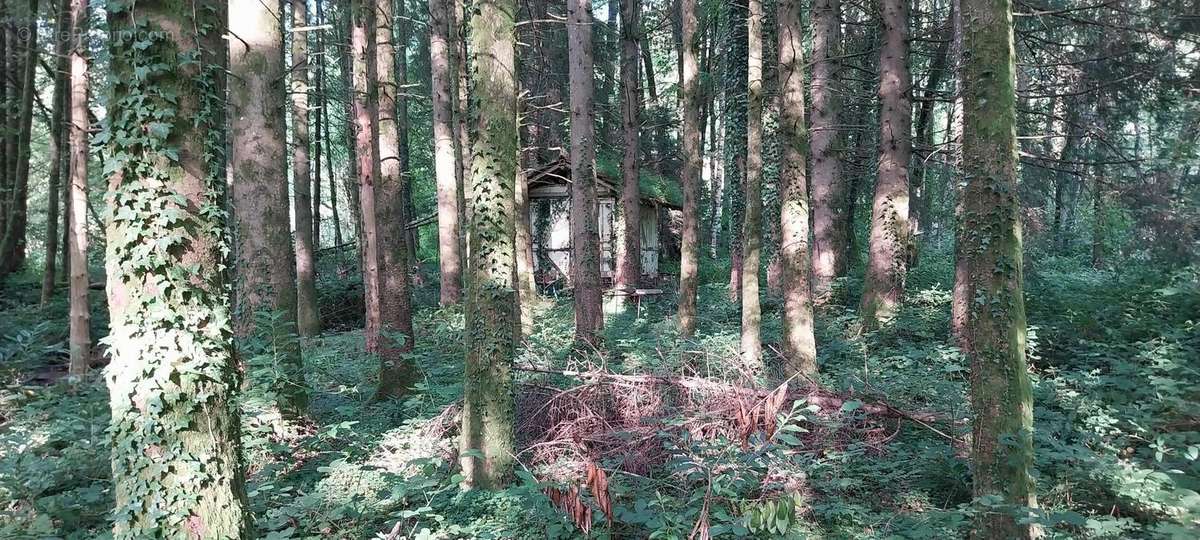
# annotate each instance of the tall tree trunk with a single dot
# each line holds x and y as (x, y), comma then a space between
(351, 180)
(585, 239)
(717, 173)
(12, 247)
(80, 314)
(1001, 395)
(172, 379)
(364, 104)
(258, 160)
(462, 110)
(959, 295)
(6, 77)
(735, 140)
(58, 141)
(487, 438)
(888, 245)
(799, 345)
(1098, 219)
(831, 225)
(751, 342)
(308, 317)
(629, 263)
(323, 136)
(920, 189)
(689, 249)
(523, 245)
(449, 187)
(318, 137)
(396, 373)
(403, 32)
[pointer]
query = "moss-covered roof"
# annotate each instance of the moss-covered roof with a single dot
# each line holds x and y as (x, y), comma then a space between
(652, 185)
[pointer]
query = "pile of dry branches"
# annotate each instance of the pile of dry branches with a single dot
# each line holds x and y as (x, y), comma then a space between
(623, 419)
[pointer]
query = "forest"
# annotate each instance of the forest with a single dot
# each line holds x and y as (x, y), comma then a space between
(663, 269)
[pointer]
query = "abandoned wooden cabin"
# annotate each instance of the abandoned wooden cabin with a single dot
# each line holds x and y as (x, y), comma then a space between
(549, 209)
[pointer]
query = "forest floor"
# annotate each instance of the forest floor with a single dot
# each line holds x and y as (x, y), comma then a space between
(667, 428)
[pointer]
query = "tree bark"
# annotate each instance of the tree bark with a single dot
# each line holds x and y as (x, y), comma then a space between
(585, 240)
(397, 373)
(12, 246)
(352, 185)
(407, 211)
(689, 182)
(799, 344)
(925, 149)
(318, 137)
(735, 140)
(80, 341)
(831, 226)
(258, 159)
(462, 110)
(717, 173)
(173, 379)
(449, 186)
(58, 142)
(486, 446)
(990, 240)
(5, 77)
(523, 245)
(629, 257)
(364, 104)
(889, 243)
(308, 317)
(751, 339)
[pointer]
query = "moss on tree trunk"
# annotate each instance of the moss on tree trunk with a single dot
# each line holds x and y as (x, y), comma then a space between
(486, 446)
(990, 251)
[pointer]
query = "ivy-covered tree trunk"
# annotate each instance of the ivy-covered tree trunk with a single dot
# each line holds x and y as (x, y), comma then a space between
(990, 248)
(751, 342)
(265, 286)
(887, 250)
(799, 345)
(629, 263)
(449, 186)
(58, 142)
(364, 105)
(585, 239)
(176, 454)
(80, 314)
(689, 181)
(308, 318)
(831, 226)
(12, 245)
(735, 139)
(396, 373)
(487, 436)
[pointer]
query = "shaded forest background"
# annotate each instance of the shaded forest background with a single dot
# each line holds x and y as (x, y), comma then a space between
(867, 436)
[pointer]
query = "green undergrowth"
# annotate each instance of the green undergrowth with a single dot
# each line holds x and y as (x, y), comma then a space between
(1114, 362)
